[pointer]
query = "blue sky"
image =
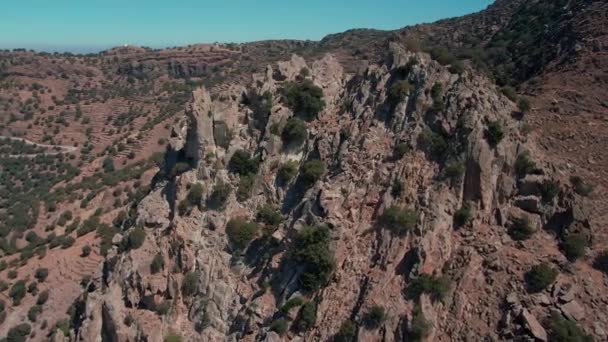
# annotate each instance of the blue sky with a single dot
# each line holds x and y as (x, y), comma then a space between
(93, 24)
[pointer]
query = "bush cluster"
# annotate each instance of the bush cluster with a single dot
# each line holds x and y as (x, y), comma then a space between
(241, 232)
(398, 220)
(436, 287)
(304, 98)
(494, 133)
(311, 250)
(540, 276)
(295, 132)
(564, 330)
(287, 171)
(312, 171)
(219, 196)
(399, 92)
(243, 164)
(521, 228)
(374, 318)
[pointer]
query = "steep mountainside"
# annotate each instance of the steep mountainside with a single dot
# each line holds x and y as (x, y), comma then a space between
(440, 182)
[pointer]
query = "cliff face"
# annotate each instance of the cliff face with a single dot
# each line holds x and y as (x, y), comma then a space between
(449, 164)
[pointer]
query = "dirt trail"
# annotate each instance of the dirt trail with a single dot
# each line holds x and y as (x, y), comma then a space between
(62, 149)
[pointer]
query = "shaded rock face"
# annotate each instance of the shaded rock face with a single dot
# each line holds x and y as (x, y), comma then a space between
(212, 292)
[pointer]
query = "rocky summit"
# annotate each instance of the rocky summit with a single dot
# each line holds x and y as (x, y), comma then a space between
(442, 182)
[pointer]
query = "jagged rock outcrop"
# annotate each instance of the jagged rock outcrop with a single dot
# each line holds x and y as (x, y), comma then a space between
(451, 164)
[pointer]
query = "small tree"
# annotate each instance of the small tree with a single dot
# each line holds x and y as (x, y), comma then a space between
(540, 277)
(280, 326)
(564, 330)
(158, 264)
(304, 98)
(580, 186)
(219, 196)
(420, 327)
(295, 132)
(42, 297)
(398, 220)
(521, 229)
(41, 274)
(243, 164)
(400, 150)
(454, 172)
(523, 104)
(574, 245)
(374, 318)
(312, 171)
(463, 215)
(190, 284)
(241, 232)
(195, 195)
(307, 316)
(396, 188)
(287, 171)
(17, 292)
(399, 92)
(347, 332)
(269, 216)
(243, 192)
(311, 250)
(494, 133)
(524, 165)
(436, 287)
(136, 238)
(19, 333)
(86, 250)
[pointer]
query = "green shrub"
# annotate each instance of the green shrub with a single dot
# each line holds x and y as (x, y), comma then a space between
(396, 188)
(136, 238)
(287, 171)
(420, 326)
(437, 95)
(509, 92)
(42, 297)
(540, 277)
(242, 163)
(163, 307)
(41, 274)
(312, 171)
(463, 215)
(19, 333)
(574, 245)
(564, 330)
(404, 70)
(17, 292)
(580, 186)
(292, 303)
(494, 133)
(521, 229)
(158, 264)
(173, 338)
(243, 192)
(457, 68)
(195, 194)
(190, 284)
(347, 332)
(400, 150)
(435, 287)
(434, 142)
(304, 98)
(12, 274)
(311, 250)
(374, 318)
(269, 216)
(280, 326)
(399, 91)
(454, 172)
(220, 194)
(398, 220)
(241, 232)
(307, 316)
(86, 250)
(523, 104)
(441, 55)
(549, 189)
(295, 132)
(524, 165)
(33, 312)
